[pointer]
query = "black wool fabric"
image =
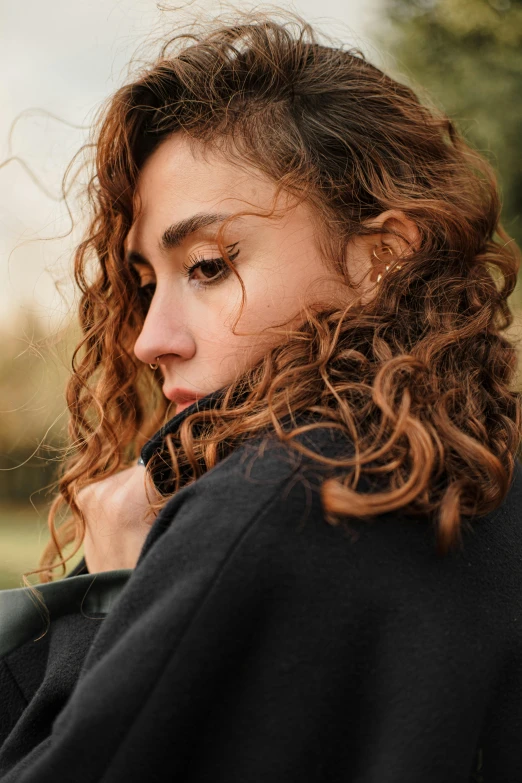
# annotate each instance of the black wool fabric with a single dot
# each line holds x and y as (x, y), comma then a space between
(36, 680)
(256, 643)
(41, 654)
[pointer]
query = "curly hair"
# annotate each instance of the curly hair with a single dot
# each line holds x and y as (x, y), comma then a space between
(419, 377)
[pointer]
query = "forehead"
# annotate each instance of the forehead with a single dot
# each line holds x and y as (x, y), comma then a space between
(181, 174)
(182, 178)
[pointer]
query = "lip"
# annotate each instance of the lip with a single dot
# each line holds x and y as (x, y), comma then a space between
(182, 396)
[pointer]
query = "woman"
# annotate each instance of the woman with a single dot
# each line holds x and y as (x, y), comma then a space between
(317, 556)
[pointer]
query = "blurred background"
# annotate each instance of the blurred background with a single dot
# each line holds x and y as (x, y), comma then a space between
(60, 60)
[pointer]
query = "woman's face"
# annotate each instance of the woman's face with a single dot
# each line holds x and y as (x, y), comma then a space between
(188, 327)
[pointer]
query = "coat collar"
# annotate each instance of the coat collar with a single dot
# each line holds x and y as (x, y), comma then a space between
(155, 449)
(156, 452)
(155, 444)
(23, 618)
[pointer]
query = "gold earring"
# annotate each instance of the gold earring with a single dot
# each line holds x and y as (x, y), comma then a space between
(381, 267)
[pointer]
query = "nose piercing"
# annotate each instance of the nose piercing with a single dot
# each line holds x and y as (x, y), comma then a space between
(155, 365)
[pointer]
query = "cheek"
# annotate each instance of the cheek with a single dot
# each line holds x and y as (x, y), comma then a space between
(271, 299)
(267, 306)
(273, 296)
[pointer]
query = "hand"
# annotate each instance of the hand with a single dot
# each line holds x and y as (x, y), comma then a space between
(118, 518)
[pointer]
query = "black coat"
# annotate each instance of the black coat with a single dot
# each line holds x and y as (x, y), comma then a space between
(255, 643)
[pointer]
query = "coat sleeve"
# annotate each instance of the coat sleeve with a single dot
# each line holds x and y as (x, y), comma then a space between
(256, 643)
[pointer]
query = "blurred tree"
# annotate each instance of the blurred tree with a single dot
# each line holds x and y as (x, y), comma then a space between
(468, 55)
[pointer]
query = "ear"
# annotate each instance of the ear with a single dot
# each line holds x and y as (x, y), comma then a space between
(393, 232)
(394, 229)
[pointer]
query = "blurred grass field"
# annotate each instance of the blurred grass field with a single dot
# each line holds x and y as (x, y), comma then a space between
(23, 535)
(23, 532)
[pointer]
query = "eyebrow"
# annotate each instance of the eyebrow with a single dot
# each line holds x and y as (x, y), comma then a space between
(174, 235)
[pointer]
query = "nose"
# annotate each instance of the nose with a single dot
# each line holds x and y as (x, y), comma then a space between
(165, 331)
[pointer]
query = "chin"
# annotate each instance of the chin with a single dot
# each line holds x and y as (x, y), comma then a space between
(180, 406)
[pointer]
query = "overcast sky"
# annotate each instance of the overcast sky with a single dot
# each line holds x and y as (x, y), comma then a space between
(64, 57)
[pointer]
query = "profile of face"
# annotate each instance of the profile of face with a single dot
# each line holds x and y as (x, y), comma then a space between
(188, 330)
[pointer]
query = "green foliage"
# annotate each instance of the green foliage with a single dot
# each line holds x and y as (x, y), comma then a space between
(33, 372)
(468, 55)
(24, 535)
(33, 420)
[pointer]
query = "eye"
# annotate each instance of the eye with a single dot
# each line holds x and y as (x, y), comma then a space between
(145, 294)
(213, 269)
(147, 289)
(145, 285)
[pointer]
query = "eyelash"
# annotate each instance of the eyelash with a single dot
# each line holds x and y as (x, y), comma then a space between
(221, 275)
(146, 291)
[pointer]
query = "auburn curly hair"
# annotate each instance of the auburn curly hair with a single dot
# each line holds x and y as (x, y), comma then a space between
(419, 377)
